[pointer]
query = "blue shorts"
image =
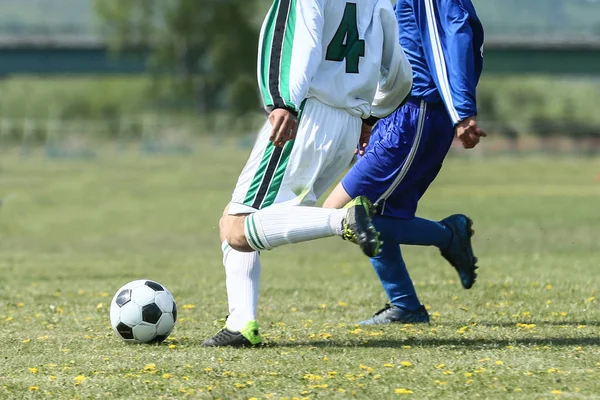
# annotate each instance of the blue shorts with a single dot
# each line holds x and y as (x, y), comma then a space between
(404, 156)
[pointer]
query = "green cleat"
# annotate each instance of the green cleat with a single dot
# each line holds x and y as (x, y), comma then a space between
(249, 336)
(357, 226)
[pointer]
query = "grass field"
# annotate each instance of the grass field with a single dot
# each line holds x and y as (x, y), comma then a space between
(71, 233)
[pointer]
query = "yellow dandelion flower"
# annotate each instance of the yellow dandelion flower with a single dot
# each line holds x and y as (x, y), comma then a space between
(438, 382)
(167, 376)
(440, 366)
(80, 292)
(406, 347)
(499, 362)
(406, 364)
(403, 391)
(52, 378)
(589, 300)
(340, 390)
(150, 367)
(321, 386)
(20, 304)
(448, 372)
(239, 385)
(104, 294)
(331, 374)
(468, 374)
(172, 346)
(79, 378)
(33, 370)
(556, 392)
(325, 358)
(188, 306)
(87, 337)
(517, 390)
(375, 377)
(312, 377)
(323, 305)
(99, 306)
(8, 319)
(33, 388)
(208, 369)
(388, 365)
(293, 309)
(563, 314)
(43, 337)
(342, 304)
(26, 340)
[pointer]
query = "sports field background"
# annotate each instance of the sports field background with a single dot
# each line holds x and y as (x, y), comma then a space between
(72, 232)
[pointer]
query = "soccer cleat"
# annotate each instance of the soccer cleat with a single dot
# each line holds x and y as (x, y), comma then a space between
(357, 226)
(460, 252)
(246, 337)
(394, 314)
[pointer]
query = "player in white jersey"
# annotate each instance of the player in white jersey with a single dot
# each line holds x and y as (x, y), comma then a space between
(325, 68)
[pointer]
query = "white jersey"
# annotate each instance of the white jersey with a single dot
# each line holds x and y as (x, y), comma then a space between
(345, 54)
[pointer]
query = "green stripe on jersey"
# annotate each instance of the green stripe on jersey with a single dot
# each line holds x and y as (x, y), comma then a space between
(259, 175)
(286, 57)
(265, 54)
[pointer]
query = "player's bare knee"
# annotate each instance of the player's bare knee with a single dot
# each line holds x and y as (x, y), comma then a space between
(237, 240)
(234, 232)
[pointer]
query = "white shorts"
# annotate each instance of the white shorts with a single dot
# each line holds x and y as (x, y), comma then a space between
(301, 171)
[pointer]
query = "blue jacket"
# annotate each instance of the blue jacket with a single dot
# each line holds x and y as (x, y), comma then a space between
(443, 40)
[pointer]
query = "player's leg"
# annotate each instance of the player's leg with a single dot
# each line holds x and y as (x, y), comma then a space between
(451, 235)
(404, 306)
(242, 269)
(323, 147)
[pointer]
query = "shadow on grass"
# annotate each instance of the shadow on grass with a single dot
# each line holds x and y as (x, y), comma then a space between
(513, 324)
(473, 344)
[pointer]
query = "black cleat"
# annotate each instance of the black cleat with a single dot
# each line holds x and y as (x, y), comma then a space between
(247, 337)
(358, 228)
(394, 314)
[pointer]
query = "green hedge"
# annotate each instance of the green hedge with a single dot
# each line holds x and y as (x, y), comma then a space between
(513, 106)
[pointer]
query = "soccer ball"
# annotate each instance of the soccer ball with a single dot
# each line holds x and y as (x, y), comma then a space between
(143, 311)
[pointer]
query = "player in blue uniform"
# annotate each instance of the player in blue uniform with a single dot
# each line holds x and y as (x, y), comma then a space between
(443, 40)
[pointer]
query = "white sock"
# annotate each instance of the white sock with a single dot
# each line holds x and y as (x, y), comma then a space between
(282, 224)
(242, 279)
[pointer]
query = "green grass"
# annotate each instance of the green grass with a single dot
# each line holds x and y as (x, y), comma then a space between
(71, 233)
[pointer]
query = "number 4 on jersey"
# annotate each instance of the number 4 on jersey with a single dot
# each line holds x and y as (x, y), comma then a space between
(354, 48)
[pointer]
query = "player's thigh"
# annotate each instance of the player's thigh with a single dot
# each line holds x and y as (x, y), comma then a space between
(257, 175)
(387, 158)
(322, 151)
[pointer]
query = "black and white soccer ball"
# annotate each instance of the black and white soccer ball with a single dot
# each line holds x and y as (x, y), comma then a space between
(143, 311)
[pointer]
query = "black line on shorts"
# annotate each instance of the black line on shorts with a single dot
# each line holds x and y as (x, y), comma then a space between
(269, 173)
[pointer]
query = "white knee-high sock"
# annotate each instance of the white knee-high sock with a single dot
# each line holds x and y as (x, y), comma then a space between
(243, 277)
(282, 224)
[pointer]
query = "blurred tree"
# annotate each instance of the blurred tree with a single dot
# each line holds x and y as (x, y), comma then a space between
(209, 47)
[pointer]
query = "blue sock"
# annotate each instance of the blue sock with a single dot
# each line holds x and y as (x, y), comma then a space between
(391, 270)
(389, 265)
(416, 231)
